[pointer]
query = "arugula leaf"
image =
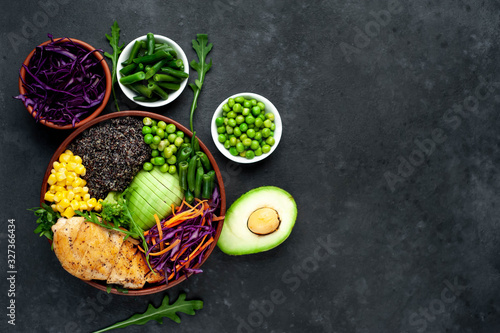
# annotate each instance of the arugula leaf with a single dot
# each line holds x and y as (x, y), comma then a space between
(117, 49)
(47, 217)
(164, 310)
(202, 49)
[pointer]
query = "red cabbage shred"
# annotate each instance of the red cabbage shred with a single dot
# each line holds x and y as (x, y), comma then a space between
(64, 82)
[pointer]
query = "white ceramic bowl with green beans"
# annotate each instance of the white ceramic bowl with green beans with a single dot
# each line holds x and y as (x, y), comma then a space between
(246, 128)
(173, 87)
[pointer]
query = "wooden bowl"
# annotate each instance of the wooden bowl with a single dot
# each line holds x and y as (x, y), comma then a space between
(150, 289)
(97, 111)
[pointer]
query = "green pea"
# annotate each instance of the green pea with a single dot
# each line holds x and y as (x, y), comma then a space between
(243, 153)
(172, 159)
(267, 123)
(180, 134)
(171, 129)
(168, 152)
(247, 142)
(227, 144)
(162, 124)
(254, 145)
(270, 116)
(226, 108)
(153, 146)
(273, 127)
(243, 127)
(153, 129)
(243, 137)
(226, 121)
(174, 148)
(266, 149)
(222, 138)
(258, 136)
(163, 144)
(172, 169)
(266, 132)
(249, 154)
(224, 114)
(171, 137)
(261, 116)
(261, 105)
(156, 139)
(146, 130)
(147, 121)
(159, 160)
(219, 121)
(237, 131)
(153, 122)
(258, 151)
(148, 138)
(240, 147)
(155, 152)
(247, 104)
(229, 130)
(253, 101)
(245, 112)
(230, 102)
(221, 129)
(239, 99)
(164, 168)
(250, 120)
(232, 141)
(232, 122)
(178, 141)
(270, 141)
(233, 151)
(147, 166)
(258, 122)
(256, 111)
(251, 133)
(160, 132)
(231, 114)
(240, 119)
(237, 108)
(272, 133)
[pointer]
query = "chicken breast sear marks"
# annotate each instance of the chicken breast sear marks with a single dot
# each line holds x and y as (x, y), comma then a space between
(91, 252)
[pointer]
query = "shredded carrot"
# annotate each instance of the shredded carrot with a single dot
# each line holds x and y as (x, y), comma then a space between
(160, 231)
(172, 206)
(191, 256)
(218, 218)
(166, 249)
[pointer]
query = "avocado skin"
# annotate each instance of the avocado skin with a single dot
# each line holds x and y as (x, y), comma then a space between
(236, 239)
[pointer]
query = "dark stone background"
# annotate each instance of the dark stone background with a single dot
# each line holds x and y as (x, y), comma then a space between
(421, 256)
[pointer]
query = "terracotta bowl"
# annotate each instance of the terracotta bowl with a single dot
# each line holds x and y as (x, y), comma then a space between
(97, 110)
(101, 285)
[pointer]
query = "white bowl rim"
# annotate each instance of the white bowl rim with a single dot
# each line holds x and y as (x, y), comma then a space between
(131, 94)
(269, 108)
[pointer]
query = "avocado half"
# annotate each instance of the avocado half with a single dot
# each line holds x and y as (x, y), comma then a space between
(259, 220)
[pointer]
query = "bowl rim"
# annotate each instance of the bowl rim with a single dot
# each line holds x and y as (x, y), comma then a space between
(107, 74)
(171, 97)
(277, 133)
(203, 147)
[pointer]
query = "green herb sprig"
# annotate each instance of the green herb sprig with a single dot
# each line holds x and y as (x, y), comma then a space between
(114, 41)
(47, 217)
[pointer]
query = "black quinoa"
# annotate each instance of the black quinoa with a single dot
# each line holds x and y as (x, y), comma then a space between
(113, 152)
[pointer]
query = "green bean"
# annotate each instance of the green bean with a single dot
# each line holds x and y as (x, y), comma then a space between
(155, 68)
(157, 90)
(166, 77)
(177, 63)
(128, 69)
(174, 72)
(166, 47)
(150, 43)
(198, 181)
(141, 89)
(129, 79)
(183, 171)
(169, 85)
(133, 53)
(191, 177)
(141, 98)
(206, 183)
(204, 160)
(150, 58)
(188, 196)
(184, 154)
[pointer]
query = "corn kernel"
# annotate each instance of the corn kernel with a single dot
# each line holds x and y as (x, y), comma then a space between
(70, 195)
(84, 182)
(77, 189)
(85, 189)
(53, 206)
(98, 207)
(78, 197)
(69, 179)
(80, 169)
(86, 197)
(83, 205)
(56, 165)
(92, 202)
(59, 208)
(71, 166)
(49, 197)
(61, 183)
(64, 203)
(52, 179)
(58, 196)
(60, 188)
(52, 189)
(61, 176)
(53, 171)
(64, 158)
(77, 159)
(74, 204)
(77, 182)
(68, 152)
(68, 212)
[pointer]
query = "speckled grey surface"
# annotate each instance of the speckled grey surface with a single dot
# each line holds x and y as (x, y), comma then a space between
(395, 232)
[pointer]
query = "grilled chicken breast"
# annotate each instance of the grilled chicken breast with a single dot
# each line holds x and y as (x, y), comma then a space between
(89, 252)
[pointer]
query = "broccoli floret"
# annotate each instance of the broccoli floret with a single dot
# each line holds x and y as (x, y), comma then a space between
(114, 209)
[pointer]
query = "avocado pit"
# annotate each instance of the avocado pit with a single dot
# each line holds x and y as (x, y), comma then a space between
(263, 221)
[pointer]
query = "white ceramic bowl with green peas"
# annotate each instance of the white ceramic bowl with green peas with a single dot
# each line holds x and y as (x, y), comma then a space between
(275, 123)
(125, 55)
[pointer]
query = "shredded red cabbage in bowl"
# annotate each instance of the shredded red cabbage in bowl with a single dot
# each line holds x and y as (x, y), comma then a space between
(190, 233)
(64, 82)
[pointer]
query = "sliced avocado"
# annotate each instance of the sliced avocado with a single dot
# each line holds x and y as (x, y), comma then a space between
(259, 220)
(171, 182)
(149, 193)
(160, 190)
(142, 208)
